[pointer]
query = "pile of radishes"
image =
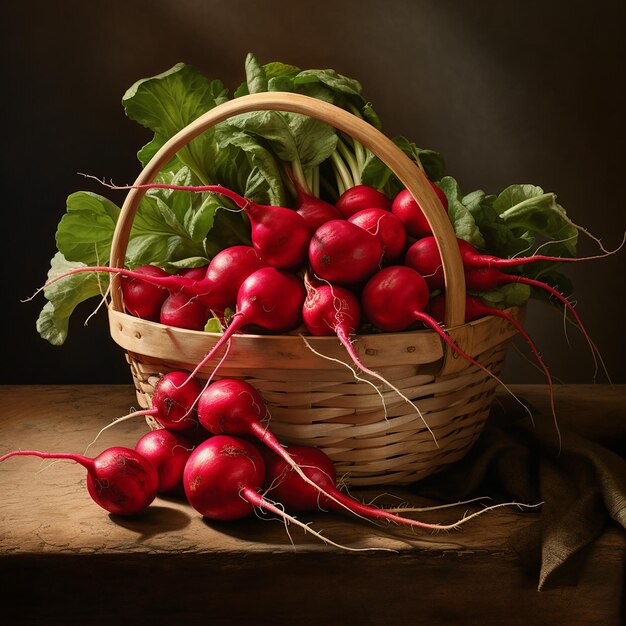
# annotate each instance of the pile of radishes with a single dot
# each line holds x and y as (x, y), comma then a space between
(213, 447)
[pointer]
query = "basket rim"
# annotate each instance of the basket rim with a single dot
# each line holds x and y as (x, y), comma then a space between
(287, 351)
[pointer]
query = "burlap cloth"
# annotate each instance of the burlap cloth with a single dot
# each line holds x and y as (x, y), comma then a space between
(582, 485)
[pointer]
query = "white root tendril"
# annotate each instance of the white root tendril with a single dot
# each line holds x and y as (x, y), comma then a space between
(352, 369)
(383, 380)
(277, 509)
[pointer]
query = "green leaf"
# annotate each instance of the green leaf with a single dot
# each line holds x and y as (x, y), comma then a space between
(506, 296)
(213, 325)
(276, 69)
(462, 220)
(528, 209)
(264, 183)
(499, 237)
(64, 296)
(168, 102)
(376, 174)
(255, 75)
(337, 82)
(293, 138)
(85, 231)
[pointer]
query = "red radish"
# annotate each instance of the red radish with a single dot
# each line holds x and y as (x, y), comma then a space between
(223, 478)
(333, 310)
(290, 490)
(361, 197)
(182, 312)
(173, 404)
(269, 298)
(217, 290)
(173, 401)
(229, 268)
(423, 256)
(472, 259)
(410, 213)
(396, 297)
(314, 210)
(141, 298)
(344, 254)
(168, 452)
(119, 479)
(387, 228)
(280, 235)
(234, 407)
(195, 273)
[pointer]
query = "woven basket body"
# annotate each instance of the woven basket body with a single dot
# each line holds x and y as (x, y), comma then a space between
(370, 431)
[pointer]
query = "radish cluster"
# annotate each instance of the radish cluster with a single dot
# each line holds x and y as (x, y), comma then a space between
(322, 269)
(229, 466)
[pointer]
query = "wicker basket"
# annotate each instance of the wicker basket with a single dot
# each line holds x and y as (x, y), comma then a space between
(317, 401)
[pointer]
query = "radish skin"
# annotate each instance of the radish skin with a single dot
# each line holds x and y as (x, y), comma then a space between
(359, 197)
(119, 480)
(343, 253)
(223, 479)
(269, 298)
(168, 452)
(387, 228)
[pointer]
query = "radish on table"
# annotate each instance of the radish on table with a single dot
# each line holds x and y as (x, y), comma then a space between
(290, 490)
(168, 452)
(235, 407)
(173, 404)
(223, 479)
(120, 480)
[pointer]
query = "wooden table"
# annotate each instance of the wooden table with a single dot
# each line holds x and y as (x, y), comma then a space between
(63, 560)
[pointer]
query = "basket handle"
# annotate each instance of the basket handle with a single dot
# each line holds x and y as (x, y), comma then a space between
(409, 174)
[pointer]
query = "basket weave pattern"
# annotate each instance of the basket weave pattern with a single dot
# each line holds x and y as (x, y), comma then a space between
(330, 409)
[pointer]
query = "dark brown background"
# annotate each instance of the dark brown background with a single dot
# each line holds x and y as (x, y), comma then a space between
(506, 91)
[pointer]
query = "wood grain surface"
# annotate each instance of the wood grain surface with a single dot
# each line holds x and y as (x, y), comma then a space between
(63, 560)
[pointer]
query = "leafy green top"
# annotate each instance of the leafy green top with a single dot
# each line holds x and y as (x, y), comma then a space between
(251, 154)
